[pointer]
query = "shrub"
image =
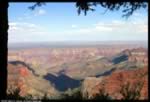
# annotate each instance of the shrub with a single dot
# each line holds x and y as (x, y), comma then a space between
(131, 92)
(128, 91)
(102, 95)
(72, 94)
(15, 95)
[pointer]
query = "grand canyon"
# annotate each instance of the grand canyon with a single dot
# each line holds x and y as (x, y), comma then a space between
(53, 70)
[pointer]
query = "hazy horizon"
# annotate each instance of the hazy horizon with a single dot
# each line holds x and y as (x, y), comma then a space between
(65, 44)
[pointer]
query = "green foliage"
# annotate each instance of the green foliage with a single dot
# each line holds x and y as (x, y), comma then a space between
(36, 4)
(128, 91)
(72, 94)
(128, 8)
(102, 95)
(77, 94)
(15, 95)
(131, 92)
(45, 97)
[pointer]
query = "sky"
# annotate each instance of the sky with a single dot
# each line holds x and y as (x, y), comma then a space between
(61, 22)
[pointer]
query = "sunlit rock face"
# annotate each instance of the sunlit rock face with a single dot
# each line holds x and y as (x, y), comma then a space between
(20, 77)
(89, 85)
(114, 83)
(139, 55)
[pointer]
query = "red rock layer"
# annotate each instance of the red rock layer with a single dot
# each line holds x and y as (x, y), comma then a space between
(16, 78)
(113, 84)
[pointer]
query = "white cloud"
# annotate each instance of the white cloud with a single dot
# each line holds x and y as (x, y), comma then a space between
(137, 14)
(25, 31)
(40, 12)
(31, 14)
(13, 26)
(24, 27)
(101, 28)
(118, 22)
(12, 23)
(84, 31)
(74, 26)
(136, 28)
(129, 27)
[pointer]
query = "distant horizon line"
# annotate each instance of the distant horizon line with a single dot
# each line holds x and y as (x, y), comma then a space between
(78, 41)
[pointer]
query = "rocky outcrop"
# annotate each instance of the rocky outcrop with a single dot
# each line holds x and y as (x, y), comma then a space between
(115, 84)
(20, 77)
(139, 55)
